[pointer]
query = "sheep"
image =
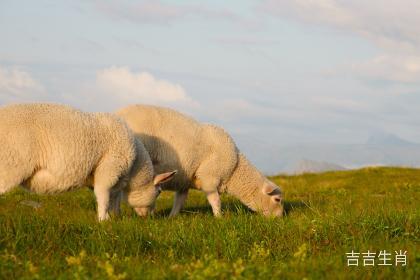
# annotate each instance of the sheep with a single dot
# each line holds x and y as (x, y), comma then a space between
(205, 156)
(51, 148)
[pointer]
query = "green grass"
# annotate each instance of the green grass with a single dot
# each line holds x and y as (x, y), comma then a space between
(328, 215)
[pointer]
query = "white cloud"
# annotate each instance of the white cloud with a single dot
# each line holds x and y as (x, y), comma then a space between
(143, 87)
(391, 25)
(17, 85)
(397, 68)
(379, 20)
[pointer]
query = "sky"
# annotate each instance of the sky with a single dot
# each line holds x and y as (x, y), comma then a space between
(273, 73)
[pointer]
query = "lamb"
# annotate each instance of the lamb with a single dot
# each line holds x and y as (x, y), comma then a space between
(50, 148)
(206, 158)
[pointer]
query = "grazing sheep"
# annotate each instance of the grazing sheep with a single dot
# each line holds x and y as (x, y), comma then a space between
(206, 159)
(50, 148)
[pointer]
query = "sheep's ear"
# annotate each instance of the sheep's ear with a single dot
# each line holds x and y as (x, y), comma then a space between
(269, 189)
(164, 177)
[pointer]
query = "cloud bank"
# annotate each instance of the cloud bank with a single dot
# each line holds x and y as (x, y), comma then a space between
(108, 89)
(391, 25)
(18, 85)
(139, 86)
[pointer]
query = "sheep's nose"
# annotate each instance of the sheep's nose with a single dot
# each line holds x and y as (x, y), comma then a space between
(142, 211)
(275, 213)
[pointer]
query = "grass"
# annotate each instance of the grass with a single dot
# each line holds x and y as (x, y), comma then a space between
(328, 215)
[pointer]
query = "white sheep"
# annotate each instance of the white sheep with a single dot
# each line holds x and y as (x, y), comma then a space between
(50, 148)
(206, 158)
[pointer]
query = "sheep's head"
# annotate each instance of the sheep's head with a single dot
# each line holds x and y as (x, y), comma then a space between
(143, 198)
(255, 190)
(272, 200)
(263, 196)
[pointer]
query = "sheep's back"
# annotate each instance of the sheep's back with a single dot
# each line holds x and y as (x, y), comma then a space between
(172, 140)
(176, 141)
(53, 137)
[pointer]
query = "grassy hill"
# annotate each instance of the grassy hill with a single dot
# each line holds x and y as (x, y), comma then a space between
(328, 215)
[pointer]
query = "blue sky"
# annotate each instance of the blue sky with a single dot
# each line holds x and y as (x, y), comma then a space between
(273, 72)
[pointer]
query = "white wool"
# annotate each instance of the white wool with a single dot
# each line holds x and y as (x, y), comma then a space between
(49, 148)
(205, 156)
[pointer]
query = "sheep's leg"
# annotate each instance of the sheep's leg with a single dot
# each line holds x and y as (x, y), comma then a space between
(102, 199)
(9, 180)
(209, 185)
(214, 200)
(45, 181)
(115, 202)
(116, 196)
(107, 178)
(7, 185)
(12, 175)
(179, 201)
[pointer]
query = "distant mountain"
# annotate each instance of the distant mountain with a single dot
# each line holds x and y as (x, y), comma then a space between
(387, 139)
(379, 149)
(312, 166)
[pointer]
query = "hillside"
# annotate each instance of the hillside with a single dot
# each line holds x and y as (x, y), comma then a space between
(328, 215)
(312, 166)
